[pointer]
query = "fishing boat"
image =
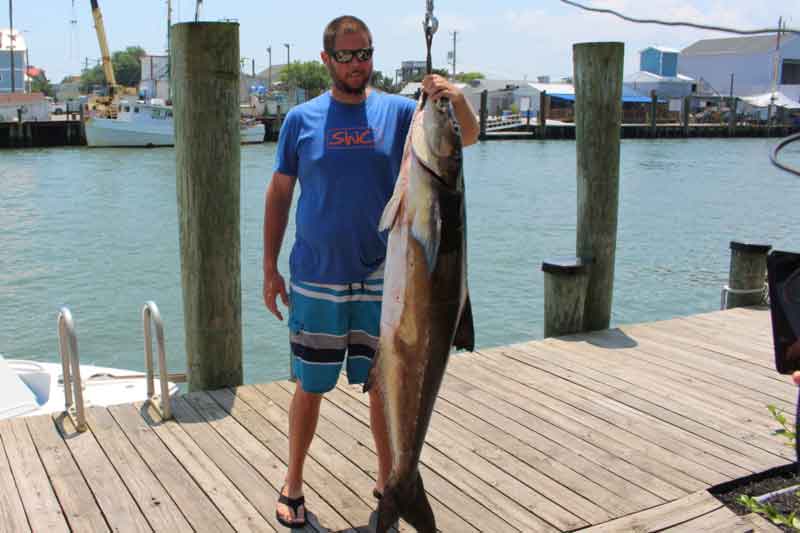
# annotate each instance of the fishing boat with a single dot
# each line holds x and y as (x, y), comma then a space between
(30, 388)
(140, 124)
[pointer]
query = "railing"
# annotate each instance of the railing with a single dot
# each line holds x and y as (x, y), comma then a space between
(506, 122)
(150, 315)
(71, 369)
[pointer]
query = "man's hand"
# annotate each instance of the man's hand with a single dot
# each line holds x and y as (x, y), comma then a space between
(437, 87)
(273, 286)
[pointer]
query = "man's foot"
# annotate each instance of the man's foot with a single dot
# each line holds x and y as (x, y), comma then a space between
(291, 510)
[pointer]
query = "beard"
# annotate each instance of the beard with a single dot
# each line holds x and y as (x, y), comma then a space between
(342, 85)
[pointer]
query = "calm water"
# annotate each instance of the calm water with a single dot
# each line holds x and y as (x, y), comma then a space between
(97, 230)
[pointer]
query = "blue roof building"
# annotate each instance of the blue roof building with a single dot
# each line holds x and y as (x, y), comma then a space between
(659, 60)
(12, 43)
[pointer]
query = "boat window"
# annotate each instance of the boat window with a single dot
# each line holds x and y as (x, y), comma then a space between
(127, 109)
(135, 109)
(169, 114)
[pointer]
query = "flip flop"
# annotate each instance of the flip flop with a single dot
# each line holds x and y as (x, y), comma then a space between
(293, 504)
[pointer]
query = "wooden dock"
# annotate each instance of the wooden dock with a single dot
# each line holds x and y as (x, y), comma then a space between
(621, 430)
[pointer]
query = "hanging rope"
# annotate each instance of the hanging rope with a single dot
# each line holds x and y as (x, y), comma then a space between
(431, 25)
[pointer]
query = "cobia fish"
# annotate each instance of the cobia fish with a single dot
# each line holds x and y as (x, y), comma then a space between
(425, 309)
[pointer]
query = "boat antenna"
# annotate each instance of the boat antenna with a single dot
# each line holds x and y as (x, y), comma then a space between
(197, 9)
(431, 24)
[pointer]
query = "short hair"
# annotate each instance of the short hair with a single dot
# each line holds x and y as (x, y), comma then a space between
(343, 24)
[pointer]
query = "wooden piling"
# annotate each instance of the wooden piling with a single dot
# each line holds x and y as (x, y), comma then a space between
(732, 117)
(205, 75)
(748, 271)
(544, 109)
(484, 113)
(653, 114)
(686, 113)
(598, 124)
(565, 282)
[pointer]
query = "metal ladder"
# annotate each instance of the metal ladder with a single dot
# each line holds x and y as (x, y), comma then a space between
(71, 368)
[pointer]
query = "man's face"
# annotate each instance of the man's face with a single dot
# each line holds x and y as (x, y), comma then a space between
(352, 77)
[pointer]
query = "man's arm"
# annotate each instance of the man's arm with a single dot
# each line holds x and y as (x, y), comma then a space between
(436, 86)
(277, 203)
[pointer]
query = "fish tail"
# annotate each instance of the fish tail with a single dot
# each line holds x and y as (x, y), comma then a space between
(409, 502)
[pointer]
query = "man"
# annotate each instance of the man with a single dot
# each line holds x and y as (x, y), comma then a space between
(345, 147)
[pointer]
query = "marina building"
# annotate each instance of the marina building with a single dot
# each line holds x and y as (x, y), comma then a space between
(658, 71)
(756, 63)
(12, 43)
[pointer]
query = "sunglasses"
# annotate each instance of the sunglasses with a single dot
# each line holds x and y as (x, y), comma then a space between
(346, 56)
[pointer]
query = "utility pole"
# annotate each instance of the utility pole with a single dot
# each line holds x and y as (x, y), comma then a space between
(169, 63)
(775, 69)
(269, 70)
(11, 41)
(288, 60)
(455, 34)
(253, 67)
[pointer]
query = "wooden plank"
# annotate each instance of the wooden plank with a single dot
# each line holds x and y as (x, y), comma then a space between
(526, 496)
(69, 485)
(468, 481)
(611, 418)
(632, 362)
(518, 439)
(663, 516)
(233, 505)
(195, 505)
(578, 423)
(155, 503)
(527, 425)
(247, 407)
(246, 479)
(737, 381)
(113, 498)
(528, 456)
(723, 436)
(723, 520)
(353, 438)
(252, 450)
(761, 524)
(12, 513)
(41, 505)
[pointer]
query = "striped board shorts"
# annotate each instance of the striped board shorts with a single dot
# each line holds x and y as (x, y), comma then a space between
(329, 324)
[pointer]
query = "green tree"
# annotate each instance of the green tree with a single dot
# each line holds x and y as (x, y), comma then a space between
(127, 66)
(383, 83)
(440, 71)
(40, 84)
(309, 75)
(466, 77)
(127, 69)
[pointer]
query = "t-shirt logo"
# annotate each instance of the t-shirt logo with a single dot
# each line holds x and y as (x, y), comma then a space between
(349, 138)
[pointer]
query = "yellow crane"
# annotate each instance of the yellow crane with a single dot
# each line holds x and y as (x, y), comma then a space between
(107, 102)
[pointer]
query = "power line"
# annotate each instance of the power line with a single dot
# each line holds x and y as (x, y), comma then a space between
(679, 23)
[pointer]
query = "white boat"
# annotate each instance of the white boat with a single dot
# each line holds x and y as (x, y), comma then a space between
(30, 388)
(141, 124)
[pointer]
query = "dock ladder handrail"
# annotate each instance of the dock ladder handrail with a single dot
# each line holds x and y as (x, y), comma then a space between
(71, 369)
(150, 314)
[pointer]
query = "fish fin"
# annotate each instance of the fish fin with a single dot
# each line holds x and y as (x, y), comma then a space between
(408, 502)
(426, 228)
(371, 376)
(465, 332)
(391, 210)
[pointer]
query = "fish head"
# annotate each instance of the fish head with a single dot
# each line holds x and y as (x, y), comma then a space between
(436, 140)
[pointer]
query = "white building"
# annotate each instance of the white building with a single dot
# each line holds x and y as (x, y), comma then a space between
(753, 61)
(155, 77)
(31, 106)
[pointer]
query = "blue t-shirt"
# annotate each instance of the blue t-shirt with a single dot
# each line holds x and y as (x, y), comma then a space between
(346, 157)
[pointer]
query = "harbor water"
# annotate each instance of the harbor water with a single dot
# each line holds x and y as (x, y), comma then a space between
(97, 231)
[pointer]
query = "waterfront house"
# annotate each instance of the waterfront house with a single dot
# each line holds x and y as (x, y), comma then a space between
(12, 43)
(753, 61)
(658, 71)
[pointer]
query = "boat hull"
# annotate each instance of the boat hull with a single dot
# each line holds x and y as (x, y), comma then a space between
(106, 132)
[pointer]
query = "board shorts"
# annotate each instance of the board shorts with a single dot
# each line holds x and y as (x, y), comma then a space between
(330, 324)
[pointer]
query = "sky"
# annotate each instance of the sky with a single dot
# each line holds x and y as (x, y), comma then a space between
(504, 39)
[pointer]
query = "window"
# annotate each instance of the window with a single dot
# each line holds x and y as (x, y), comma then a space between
(790, 75)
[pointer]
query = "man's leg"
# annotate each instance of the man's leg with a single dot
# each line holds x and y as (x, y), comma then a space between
(380, 433)
(303, 417)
